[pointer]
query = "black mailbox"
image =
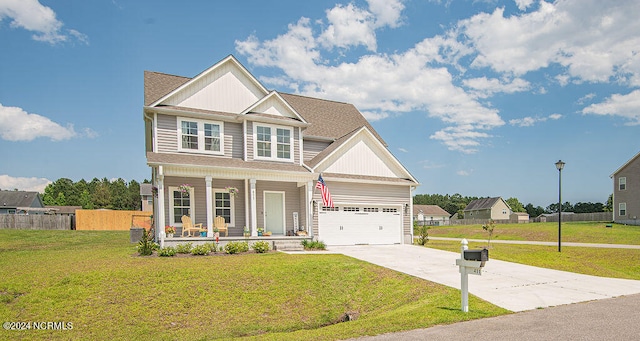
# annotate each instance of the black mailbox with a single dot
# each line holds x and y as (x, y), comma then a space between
(478, 255)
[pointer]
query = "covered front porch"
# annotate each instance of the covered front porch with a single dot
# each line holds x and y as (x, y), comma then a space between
(250, 201)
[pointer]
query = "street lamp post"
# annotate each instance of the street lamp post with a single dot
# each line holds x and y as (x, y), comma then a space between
(559, 166)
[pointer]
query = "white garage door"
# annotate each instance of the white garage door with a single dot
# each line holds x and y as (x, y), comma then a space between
(357, 224)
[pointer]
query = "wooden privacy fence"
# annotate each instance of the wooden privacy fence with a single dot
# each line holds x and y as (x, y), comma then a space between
(101, 220)
(598, 216)
(35, 222)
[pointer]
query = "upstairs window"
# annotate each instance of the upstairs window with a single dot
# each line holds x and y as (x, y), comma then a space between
(273, 143)
(200, 136)
(622, 183)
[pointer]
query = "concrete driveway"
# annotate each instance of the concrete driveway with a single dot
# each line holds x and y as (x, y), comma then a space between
(515, 287)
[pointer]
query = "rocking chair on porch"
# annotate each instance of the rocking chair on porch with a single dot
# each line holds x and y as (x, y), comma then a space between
(189, 228)
(219, 224)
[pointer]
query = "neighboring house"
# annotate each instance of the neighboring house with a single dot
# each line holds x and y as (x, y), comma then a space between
(21, 202)
(488, 208)
(430, 215)
(253, 156)
(626, 192)
(146, 195)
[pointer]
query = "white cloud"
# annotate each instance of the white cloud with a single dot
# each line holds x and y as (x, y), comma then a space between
(594, 40)
(23, 184)
(627, 106)
(33, 16)
(403, 150)
(18, 125)
(381, 84)
(350, 25)
(530, 121)
(524, 4)
(464, 172)
(586, 98)
(483, 87)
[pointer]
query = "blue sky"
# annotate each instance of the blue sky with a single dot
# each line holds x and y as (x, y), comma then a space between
(475, 97)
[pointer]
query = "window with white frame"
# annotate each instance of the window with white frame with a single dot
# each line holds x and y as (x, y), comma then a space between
(200, 136)
(223, 206)
(622, 183)
(180, 203)
(273, 143)
(622, 209)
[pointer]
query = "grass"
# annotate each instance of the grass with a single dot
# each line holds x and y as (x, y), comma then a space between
(579, 232)
(94, 280)
(605, 262)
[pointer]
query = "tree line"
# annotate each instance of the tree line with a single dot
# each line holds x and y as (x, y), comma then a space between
(116, 195)
(456, 203)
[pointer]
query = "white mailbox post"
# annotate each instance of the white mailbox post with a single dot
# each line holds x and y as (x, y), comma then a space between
(470, 262)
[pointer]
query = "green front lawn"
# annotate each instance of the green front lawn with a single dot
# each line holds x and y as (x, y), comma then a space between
(579, 232)
(96, 281)
(616, 263)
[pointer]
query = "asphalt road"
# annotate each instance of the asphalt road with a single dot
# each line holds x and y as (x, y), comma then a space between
(607, 319)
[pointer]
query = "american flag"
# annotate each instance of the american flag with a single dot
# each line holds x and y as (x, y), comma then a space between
(324, 191)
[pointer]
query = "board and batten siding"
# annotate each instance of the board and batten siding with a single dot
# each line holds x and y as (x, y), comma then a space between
(168, 136)
(374, 194)
(313, 148)
(225, 89)
(291, 201)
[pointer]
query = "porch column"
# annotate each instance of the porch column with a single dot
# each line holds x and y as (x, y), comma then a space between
(208, 182)
(309, 198)
(254, 208)
(159, 218)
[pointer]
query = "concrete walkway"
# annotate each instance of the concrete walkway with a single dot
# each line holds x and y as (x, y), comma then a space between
(515, 287)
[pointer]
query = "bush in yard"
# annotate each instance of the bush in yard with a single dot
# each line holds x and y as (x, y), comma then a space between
(314, 245)
(261, 246)
(184, 248)
(146, 246)
(236, 247)
(168, 251)
(213, 247)
(201, 250)
(423, 234)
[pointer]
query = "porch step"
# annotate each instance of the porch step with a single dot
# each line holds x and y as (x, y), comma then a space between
(287, 245)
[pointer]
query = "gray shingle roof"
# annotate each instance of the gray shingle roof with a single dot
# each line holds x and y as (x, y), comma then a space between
(212, 161)
(430, 210)
(20, 199)
(482, 204)
(158, 84)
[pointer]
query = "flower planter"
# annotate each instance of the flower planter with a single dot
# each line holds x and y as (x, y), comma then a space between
(169, 235)
(203, 233)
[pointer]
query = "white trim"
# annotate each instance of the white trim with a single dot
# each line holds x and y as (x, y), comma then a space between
(154, 134)
(192, 205)
(280, 99)
(342, 149)
(201, 137)
(232, 219)
(274, 143)
(230, 58)
(284, 209)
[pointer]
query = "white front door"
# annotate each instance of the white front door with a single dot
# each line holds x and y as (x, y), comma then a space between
(274, 212)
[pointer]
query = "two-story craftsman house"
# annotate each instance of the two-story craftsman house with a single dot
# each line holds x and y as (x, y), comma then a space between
(221, 144)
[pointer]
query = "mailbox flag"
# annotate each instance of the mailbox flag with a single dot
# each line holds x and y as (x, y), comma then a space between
(324, 192)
